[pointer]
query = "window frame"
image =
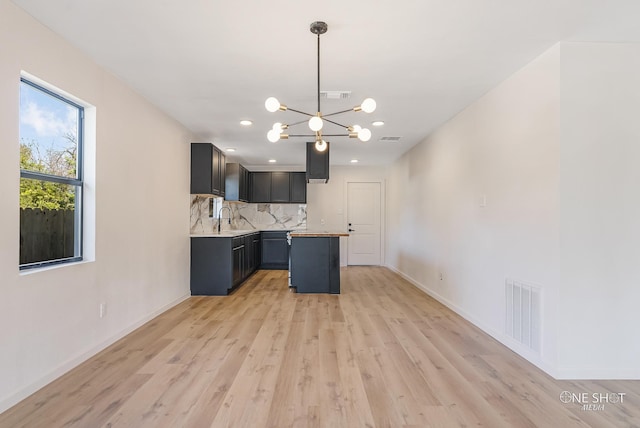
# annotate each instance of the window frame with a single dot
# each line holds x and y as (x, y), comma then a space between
(78, 182)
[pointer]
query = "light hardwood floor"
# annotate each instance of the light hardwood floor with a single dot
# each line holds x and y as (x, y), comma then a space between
(381, 354)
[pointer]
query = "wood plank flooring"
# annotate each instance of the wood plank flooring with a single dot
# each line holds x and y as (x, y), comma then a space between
(381, 354)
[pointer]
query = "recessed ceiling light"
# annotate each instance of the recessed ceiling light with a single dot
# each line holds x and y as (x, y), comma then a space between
(246, 122)
(377, 123)
(272, 161)
(354, 160)
(231, 149)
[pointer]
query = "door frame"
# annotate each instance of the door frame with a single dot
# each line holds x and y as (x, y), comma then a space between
(383, 210)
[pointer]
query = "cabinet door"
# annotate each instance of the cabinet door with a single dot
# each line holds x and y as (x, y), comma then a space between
(248, 255)
(261, 187)
(299, 187)
(275, 250)
(232, 183)
(215, 169)
(238, 265)
(244, 182)
(280, 187)
(222, 172)
(256, 250)
(201, 168)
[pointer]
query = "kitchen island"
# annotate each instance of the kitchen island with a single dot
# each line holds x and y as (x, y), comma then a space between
(315, 261)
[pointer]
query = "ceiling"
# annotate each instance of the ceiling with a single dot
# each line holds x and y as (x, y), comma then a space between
(209, 64)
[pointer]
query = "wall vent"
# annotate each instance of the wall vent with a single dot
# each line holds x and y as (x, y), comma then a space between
(335, 95)
(524, 312)
(390, 139)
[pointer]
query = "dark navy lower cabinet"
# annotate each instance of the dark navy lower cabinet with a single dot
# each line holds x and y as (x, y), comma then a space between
(218, 265)
(275, 250)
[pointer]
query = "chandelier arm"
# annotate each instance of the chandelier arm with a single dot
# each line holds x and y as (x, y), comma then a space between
(301, 112)
(335, 123)
(338, 112)
(313, 135)
(297, 123)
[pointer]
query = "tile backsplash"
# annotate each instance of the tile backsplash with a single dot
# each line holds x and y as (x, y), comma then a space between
(245, 216)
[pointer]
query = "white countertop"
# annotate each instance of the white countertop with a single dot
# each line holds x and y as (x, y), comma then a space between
(233, 233)
(317, 233)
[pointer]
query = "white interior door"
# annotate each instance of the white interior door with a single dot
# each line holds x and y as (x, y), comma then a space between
(363, 218)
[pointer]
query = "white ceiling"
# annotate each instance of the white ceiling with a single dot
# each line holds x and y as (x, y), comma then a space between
(210, 64)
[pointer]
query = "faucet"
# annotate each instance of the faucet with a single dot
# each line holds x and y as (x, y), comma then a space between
(220, 217)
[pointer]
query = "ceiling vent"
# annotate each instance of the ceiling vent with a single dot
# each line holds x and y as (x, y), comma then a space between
(390, 139)
(335, 95)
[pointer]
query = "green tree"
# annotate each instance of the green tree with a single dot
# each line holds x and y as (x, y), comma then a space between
(44, 194)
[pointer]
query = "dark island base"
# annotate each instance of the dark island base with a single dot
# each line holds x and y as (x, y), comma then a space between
(315, 264)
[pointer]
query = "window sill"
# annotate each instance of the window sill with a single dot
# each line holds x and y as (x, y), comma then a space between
(24, 272)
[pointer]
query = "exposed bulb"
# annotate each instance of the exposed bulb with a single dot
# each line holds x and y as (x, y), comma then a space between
(368, 105)
(277, 127)
(273, 136)
(315, 123)
(356, 128)
(272, 104)
(364, 135)
(321, 145)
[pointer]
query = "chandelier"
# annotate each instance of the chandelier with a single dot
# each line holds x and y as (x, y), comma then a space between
(317, 120)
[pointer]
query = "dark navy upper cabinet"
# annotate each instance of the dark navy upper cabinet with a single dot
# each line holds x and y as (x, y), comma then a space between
(298, 187)
(261, 187)
(237, 183)
(207, 169)
(280, 187)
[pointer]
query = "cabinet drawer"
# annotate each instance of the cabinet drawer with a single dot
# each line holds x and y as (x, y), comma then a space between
(237, 242)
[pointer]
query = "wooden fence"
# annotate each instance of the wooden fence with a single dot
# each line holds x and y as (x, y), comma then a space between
(46, 234)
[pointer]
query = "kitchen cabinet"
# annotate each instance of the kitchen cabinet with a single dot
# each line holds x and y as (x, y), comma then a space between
(275, 250)
(317, 164)
(245, 184)
(238, 257)
(315, 264)
(220, 264)
(252, 252)
(261, 187)
(236, 183)
(298, 187)
(222, 174)
(208, 165)
(278, 187)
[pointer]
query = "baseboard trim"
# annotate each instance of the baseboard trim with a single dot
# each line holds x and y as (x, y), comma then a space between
(516, 347)
(23, 393)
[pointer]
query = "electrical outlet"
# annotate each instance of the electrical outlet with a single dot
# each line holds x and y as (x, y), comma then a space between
(103, 310)
(322, 221)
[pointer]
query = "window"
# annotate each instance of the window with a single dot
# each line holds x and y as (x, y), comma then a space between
(51, 178)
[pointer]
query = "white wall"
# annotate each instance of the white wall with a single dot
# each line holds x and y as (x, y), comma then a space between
(504, 148)
(600, 210)
(555, 151)
(328, 201)
(49, 320)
